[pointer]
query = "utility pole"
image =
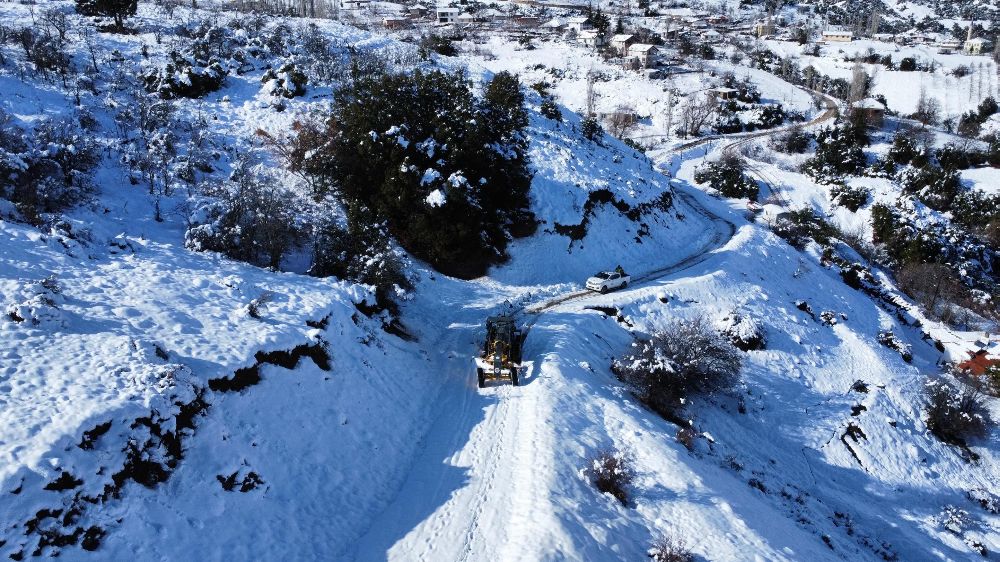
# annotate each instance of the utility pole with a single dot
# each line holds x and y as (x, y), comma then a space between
(670, 112)
(590, 93)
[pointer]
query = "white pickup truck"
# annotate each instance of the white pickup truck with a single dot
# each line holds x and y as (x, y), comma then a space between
(608, 281)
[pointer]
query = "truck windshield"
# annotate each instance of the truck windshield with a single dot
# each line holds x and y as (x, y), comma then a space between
(603, 275)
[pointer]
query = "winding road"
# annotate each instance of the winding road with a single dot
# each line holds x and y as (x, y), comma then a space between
(466, 496)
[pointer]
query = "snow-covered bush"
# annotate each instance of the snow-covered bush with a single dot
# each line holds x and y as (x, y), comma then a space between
(45, 52)
(839, 152)
(611, 472)
(685, 358)
(937, 187)
(985, 499)
(591, 129)
(669, 549)
(955, 415)
(892, 341)
(795, 141)
(446, 172)
(852, 198)
(45, 170)
(728, 176)
(548, 108)
(37, 304)
(185, 77)
(432, 43)
(743, 331)
(362, 253)
(955, 519)
(118, 10)
(248, 218)
(287, 81)
(799, 226)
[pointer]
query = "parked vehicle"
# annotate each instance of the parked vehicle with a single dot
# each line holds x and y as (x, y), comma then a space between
(609, 281)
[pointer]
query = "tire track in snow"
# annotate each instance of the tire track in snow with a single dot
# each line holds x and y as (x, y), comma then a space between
(497, 451)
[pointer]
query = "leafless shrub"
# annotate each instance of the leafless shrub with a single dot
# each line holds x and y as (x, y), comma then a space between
(621, 121)
(259, 303)
(686, 437)
(611, 472)
(955, 415)
(669, 549)
(685, 358)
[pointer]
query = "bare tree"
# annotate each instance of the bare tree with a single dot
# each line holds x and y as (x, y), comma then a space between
(696, 114)
(56, 19)
(860, 83)
(621, 121)
(928, 109)
(932, 286)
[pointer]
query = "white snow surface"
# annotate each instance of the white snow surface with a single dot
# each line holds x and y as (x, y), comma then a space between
(395, 454)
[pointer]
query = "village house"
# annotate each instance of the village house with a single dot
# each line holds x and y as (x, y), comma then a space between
(711, 36)
(870, 111)
(978, 363)
(447, 14)
(591, 38)
(555, 24)
(621, 42)
(722, 94)
(645, 54)
(986, 354)
(976, 46)
(948, 46)
(763, 29)
(465, 18)
(393, 23)
(353, 5)
(838, 35)
(577, 24)
(527, 22)
(417, 11)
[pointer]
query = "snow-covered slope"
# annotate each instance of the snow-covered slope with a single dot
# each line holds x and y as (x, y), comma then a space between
(177, 405)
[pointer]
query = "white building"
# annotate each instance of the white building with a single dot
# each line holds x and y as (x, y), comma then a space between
(577, 24)
(976, 46)
(353, 5)
(591, 38)
(838, 35)
(644, 53)
(621, 42)
(447, 14)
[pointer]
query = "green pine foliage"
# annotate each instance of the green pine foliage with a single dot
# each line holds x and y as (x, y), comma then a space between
(852, 198)
(446, 172)
(185, 77)
(935, 186)
(591, 129)
(839, 152)
(115, 9)
(362, 252)
(728, 177)
(286, 81)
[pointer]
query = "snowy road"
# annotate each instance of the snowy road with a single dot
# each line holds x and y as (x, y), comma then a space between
(486, 446)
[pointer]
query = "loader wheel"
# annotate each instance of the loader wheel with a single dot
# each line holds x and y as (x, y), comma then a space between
(513, 377)
(482, 378)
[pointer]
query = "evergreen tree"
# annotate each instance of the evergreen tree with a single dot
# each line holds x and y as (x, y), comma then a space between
(117, 9)
(447, 173)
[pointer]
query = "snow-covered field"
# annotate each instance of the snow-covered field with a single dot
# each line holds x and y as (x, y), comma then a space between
(370, 446)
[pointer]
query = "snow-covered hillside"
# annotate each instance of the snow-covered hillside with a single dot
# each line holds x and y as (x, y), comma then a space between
(162, 403)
